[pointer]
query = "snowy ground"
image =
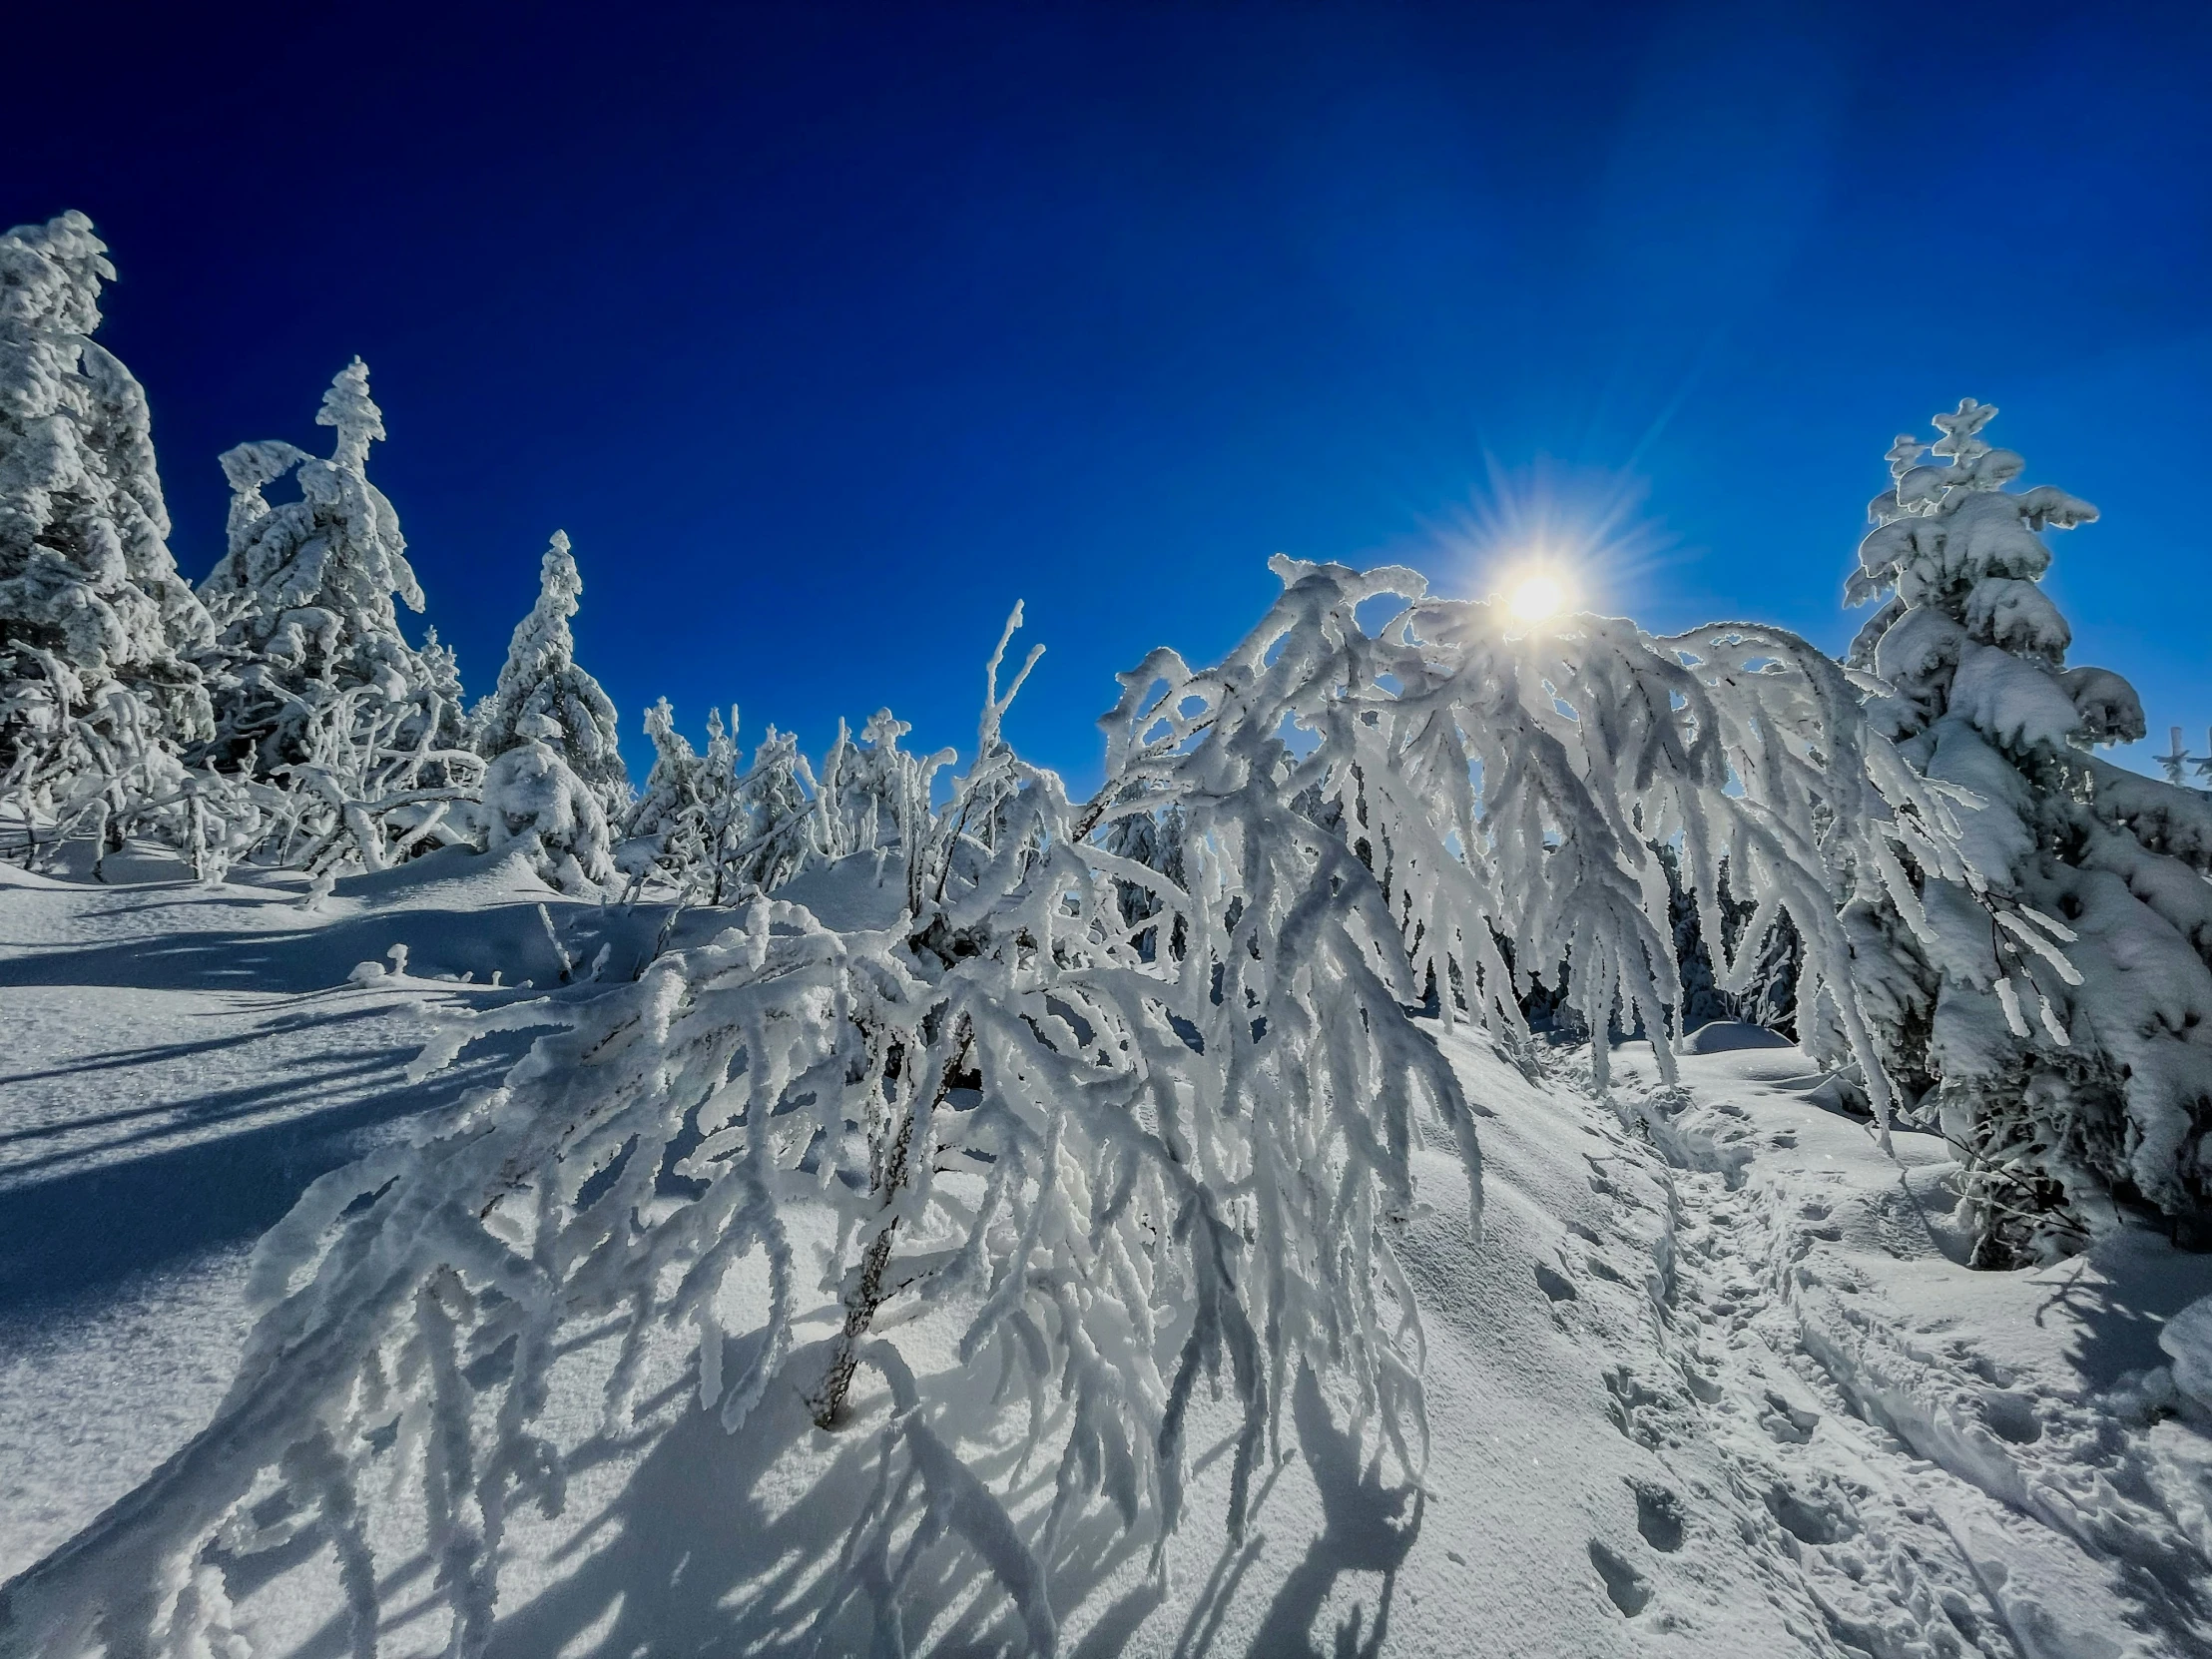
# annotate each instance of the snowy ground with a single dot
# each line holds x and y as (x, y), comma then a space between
(1712, 1382)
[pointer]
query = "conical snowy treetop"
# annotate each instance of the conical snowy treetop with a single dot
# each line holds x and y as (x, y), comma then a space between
(541, 682)
(349, 407)
(1967, 625)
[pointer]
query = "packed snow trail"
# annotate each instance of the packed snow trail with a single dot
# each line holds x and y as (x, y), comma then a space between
(1711, 1382)
(1920, 1459)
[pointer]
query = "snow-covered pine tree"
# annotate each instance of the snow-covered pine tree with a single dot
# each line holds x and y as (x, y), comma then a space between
(1069, 1180)
(666, 832)
(2060, 1078)
(541, 678)
(534, 801)
(98, 632)
(321, 690)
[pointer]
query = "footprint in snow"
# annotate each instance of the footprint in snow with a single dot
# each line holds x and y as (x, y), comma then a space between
(2012, 1417)
(1811, 1521)
(1554, 1284)
(1623, 1581)
(1659, 1515)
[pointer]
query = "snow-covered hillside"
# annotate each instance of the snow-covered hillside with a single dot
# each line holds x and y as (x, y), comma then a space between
(1713, 1379)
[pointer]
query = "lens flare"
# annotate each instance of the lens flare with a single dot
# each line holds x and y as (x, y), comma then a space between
(1537, 597)
(1547, 541)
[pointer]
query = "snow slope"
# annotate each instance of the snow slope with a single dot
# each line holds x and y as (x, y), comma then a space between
(1711, 1382)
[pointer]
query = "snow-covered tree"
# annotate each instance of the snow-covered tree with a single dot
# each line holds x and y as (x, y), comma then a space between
(873, 795)
(1153, 839)
(534, 801)
(2058, 1023)
(715, 835)
(322, 689)
(693, 826)
(779, 831)
(541, 678)
(1769, 993)
(1070, 1179)
(666, 832)
(2179, 765)
(98, 632)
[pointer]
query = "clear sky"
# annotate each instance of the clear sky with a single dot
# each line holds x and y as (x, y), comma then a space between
(826, 332)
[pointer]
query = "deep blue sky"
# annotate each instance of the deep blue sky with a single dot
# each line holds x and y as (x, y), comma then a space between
(828, 333)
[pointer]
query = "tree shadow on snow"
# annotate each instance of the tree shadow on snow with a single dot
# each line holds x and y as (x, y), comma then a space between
(2117, 1315)
(1365, 1527)
(508, 939)
(728, 1544)
(71, 1228)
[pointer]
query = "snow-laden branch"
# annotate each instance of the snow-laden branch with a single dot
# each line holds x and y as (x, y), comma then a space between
(1116, 1127)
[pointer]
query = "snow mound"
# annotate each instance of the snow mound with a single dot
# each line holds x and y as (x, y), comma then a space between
(2187, 1336)
(1723, 1036)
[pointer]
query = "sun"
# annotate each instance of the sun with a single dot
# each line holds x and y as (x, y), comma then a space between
(1537, 597)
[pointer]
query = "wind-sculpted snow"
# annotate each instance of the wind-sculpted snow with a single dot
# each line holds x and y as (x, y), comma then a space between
(1126, 1144)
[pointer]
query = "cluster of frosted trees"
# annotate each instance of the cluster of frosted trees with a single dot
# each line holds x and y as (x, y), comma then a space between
(1121, 1112)
(278, 714)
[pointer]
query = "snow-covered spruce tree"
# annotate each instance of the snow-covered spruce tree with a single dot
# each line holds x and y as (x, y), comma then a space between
(668, 828)
(321, 688)
(1084, 1174)
(98, 632)
(534, 802)
(2058, 1082)
(541, 678)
